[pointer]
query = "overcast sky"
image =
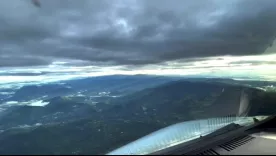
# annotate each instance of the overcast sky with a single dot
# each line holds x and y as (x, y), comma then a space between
(133, 34)
(130, 32)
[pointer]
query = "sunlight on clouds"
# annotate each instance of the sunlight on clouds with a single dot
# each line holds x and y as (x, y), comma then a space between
(261, 66)
(250, 67)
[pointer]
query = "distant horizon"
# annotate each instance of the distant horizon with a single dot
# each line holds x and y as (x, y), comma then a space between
(261, 67)
(34, 81)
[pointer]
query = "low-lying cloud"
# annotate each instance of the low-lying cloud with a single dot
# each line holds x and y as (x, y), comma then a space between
(242, 67)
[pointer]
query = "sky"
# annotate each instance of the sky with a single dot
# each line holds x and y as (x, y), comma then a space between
(61, 39)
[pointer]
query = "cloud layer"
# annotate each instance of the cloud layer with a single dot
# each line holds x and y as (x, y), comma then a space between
(132, 32)
(238, 67)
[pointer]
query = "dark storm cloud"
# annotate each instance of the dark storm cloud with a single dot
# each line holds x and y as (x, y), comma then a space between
(14, 61)
(132, 32)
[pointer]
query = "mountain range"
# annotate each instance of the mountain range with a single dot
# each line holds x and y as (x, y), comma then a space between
(95, 115)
